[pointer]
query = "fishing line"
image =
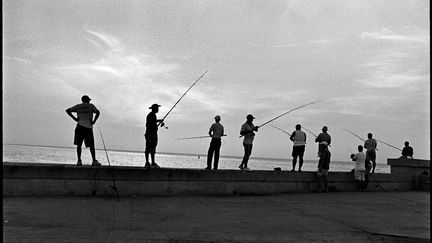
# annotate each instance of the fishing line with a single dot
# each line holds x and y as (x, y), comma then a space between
(309, 131)
(388, 144)
(289, 134)
(113, 186)
(377, 184)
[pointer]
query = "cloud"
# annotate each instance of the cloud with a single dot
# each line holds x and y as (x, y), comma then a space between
(386, 80)
(110, 41)
(18, 59)
(391, 69)
(388, 35)
(291, 45)
(401, 64)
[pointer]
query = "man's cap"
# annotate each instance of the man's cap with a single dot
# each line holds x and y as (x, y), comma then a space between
(217, 117)
(154, 106)
(85, 98)
(325, 128)
(250, 116)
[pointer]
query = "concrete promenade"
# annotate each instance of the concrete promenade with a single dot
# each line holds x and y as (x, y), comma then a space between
(287, 217)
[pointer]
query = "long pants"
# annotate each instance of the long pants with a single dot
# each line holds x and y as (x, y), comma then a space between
(215, 146)
(247, 153)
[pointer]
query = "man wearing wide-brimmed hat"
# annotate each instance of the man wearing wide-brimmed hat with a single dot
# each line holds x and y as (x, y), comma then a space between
(84, 128)
(151, 136)
(247, 130)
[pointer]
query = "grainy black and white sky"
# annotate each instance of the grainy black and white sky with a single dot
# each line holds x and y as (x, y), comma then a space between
(368, 61)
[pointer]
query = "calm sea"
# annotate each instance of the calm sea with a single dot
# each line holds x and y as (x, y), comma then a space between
(60, 155)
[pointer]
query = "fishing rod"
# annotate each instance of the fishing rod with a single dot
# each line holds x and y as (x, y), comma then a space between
(289, 134)
(357, 136)
(265, 123)
(289, 112)
(310, 132)
(377, 184)
(388, 144)
(113, 186)
(182, 97)
(208, 136)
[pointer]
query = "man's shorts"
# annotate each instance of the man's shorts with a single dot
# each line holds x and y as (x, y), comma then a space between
(298, 151)
(359, 175)
(322, 172)
(84, 134)
(151, 143)
(371, 155)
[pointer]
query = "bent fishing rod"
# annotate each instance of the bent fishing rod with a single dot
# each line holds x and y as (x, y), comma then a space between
(113, 186)
(208, 136)
(275, 127)
(283, 114)
(310, 132)
(388, 144)
(181, 98)
(357, 136)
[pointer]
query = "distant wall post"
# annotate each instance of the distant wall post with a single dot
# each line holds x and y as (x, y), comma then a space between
(418, 168)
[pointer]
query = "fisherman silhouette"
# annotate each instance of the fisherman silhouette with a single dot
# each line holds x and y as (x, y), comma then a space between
(370, 145)
(216, 131)
(407, 151)
(84, 127)
(247, 130)
(324, 140)
(359, 169)
(151, 136)
(299, 139)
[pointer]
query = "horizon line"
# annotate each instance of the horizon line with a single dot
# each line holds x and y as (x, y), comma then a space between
(168, 153)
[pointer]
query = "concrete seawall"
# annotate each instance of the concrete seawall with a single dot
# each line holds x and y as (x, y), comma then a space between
(29, 179)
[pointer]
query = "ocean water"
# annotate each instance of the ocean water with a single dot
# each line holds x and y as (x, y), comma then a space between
(61, 155)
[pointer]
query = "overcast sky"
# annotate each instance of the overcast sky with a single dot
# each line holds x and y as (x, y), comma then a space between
(367, 61)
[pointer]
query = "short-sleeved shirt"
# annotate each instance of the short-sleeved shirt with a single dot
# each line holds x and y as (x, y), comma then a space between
(85, 113)
(360, 158)
(370, 144)
(248, 138)
(151, 124)
(217, 129)
(323, 137)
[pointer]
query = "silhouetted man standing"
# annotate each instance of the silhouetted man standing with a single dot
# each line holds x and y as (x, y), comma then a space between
(323, 137)
(216, 131)
(151, 136)
(324, 141)
(84, 128)
(299, 139)
(370, 145)
(247, 130)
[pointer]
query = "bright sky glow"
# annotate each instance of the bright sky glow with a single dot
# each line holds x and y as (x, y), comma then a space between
(368, 61)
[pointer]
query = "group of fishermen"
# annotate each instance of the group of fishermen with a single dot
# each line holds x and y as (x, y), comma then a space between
(84, 133)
